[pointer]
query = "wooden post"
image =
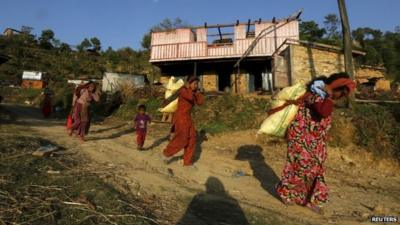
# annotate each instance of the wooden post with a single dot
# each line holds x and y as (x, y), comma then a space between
(236, 79)
(195, 69)
(347, 48)
(348, 58)
(275, 35)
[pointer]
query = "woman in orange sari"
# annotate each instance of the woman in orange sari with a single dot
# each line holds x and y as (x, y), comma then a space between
(182, 126)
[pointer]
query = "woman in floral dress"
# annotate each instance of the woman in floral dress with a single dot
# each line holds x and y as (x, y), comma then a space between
(303, 180)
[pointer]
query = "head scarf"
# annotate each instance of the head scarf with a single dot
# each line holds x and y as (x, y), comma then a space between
(349, 83)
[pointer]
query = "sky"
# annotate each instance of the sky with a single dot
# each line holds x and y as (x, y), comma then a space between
(122, 23)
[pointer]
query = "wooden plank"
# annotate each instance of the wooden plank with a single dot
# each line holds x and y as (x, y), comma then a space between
(377, 101)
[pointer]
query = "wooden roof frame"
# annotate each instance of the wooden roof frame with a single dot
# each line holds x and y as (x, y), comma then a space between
(315, 45)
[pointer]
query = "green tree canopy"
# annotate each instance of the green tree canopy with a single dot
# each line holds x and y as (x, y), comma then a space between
(332, 24)
(310, 31)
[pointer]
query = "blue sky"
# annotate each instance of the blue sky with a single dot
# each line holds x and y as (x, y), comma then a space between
(120, 23)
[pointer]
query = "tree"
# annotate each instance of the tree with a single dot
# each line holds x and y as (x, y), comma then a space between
(96, 44)
(26, 29)
(46, 39)
(64, 47)
(331, 24)
(310, 31)
(166, 24)
(84, 45)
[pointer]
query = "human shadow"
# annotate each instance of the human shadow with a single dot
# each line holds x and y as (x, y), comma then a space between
(201, 137)
(114, 135)
(214, 206)
(157, 142)
(261, 170)
(108, 128)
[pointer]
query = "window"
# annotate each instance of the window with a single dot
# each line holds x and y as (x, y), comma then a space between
(218, 36)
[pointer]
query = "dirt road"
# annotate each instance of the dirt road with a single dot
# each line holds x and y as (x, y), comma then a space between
(234, 175)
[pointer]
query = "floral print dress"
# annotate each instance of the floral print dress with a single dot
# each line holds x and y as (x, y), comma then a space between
(303, 175)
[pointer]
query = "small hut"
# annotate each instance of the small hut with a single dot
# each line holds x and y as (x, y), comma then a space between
(33, 79)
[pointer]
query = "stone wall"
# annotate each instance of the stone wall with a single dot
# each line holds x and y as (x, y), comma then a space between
(307, 62)
(242, 83)
(209, 82)
(369, 72)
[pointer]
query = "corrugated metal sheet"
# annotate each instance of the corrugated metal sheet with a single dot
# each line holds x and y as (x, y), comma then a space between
(32, 75)
(112, 81)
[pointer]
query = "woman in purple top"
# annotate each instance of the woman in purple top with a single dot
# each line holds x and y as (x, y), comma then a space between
(141, 121)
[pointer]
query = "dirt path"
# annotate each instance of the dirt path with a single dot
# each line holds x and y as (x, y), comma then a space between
(237, 171)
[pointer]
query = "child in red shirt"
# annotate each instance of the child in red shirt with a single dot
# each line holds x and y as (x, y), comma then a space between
(141, 121)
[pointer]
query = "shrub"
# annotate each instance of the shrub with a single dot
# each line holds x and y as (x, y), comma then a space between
(377, 130)
(227, 113)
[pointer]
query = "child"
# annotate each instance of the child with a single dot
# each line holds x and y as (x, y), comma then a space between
(141, 121)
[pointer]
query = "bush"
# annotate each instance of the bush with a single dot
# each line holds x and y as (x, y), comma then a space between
(377, 129)
(129, 109)
(227, 113)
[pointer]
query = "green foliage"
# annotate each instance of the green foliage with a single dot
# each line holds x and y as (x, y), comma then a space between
(19, 96)
(96, 43)
(46, 39)
(129, 110)
(332, 24)
(378, 129)
(382, 49)
(166, 24)
(228, 113)
(84, 45)
(310, 31)
(214, 127)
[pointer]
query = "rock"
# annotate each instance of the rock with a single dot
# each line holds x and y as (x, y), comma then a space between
(346, 159)
(379, 209)
(45, 150)
(53, 172)
(365, 215)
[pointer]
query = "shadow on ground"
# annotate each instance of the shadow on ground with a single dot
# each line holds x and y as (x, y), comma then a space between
(214, 206)
(261, 170)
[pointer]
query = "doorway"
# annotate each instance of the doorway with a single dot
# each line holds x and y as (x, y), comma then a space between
(224, 80)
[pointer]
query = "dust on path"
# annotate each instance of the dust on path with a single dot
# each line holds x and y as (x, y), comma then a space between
(248, 171)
